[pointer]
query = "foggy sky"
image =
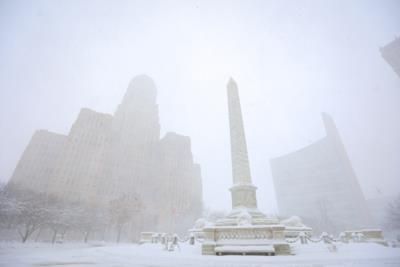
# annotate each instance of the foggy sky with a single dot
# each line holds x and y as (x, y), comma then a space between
(292, 60)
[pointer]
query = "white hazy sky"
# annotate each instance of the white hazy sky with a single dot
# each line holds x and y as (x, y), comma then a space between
(291, 59)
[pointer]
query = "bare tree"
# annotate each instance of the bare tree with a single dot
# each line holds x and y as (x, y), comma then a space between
(32, 213)
(62, 217)
(87, 217)
(393, 214)
(90, 219)
(122, 210)
(8, 207)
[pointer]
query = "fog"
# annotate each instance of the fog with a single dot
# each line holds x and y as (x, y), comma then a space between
(292, 60)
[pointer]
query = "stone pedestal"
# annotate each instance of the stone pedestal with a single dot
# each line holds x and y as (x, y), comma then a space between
(247, 240)
(244, 195)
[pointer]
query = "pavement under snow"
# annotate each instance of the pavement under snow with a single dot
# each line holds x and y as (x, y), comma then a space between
(153, 255)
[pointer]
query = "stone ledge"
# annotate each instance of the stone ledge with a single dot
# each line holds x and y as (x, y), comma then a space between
(267, 250)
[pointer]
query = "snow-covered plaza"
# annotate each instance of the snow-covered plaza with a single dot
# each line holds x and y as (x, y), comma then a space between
(120, 255)
(189, 133)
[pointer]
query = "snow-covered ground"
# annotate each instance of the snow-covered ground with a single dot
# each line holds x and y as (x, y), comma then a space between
(151, 255)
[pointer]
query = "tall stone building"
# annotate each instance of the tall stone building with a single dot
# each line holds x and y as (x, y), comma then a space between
(105, 157)
(176, 163)
(135, 137)
(83, 166)
(318, 184)
(38, 162)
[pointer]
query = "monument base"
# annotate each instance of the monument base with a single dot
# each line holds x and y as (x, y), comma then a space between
(245, 240)
(246, 230)
(242, 215)
(294, 227)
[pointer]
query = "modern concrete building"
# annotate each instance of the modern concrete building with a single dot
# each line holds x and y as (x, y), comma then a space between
(105, 157)
(318, 184)
(391, 53)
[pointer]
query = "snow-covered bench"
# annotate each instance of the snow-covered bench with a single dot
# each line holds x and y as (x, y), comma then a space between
(245, 250)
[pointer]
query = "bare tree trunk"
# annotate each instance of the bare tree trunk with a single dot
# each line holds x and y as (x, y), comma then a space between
(54, 236)
(103, 233)
(63, 233)
(86, 236)
(119, 233)
(37, 236)
(27, 232)
(25, 236)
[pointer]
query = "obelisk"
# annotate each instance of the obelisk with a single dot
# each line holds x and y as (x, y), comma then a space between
(240, 160)
(243, 192)
(245, 229)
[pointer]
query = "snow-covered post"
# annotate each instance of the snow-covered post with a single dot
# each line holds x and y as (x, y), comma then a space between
(163, 239)
(175, 241)
(342, 237)
(354, 237)
(166, 242)
(159, 236)
(360, 237)
(154, 238)
(191, 239)
(303, 238)
(325, 238)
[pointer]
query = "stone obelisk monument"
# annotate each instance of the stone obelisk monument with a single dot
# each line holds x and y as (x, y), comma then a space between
(245, 231)
(244, 200)
(240, 160)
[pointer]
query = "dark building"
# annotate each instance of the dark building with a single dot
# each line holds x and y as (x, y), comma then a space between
(391, 53)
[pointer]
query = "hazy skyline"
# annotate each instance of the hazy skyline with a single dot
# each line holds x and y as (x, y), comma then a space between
(292, 60)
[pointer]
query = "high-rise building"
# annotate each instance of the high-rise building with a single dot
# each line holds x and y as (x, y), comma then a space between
(391, 53)
(318, 184)
(83, 166)
(37, 165)
(175, 165)
(135, 136)
(105, 157)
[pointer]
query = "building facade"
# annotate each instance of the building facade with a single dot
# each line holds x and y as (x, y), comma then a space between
(391, 53)
(39, 161)
(105, 157)
(318, 184)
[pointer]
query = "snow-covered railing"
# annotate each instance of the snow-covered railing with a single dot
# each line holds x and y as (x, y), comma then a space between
(184, 240)
(171, 241)
(324, 237)
(292, 240)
